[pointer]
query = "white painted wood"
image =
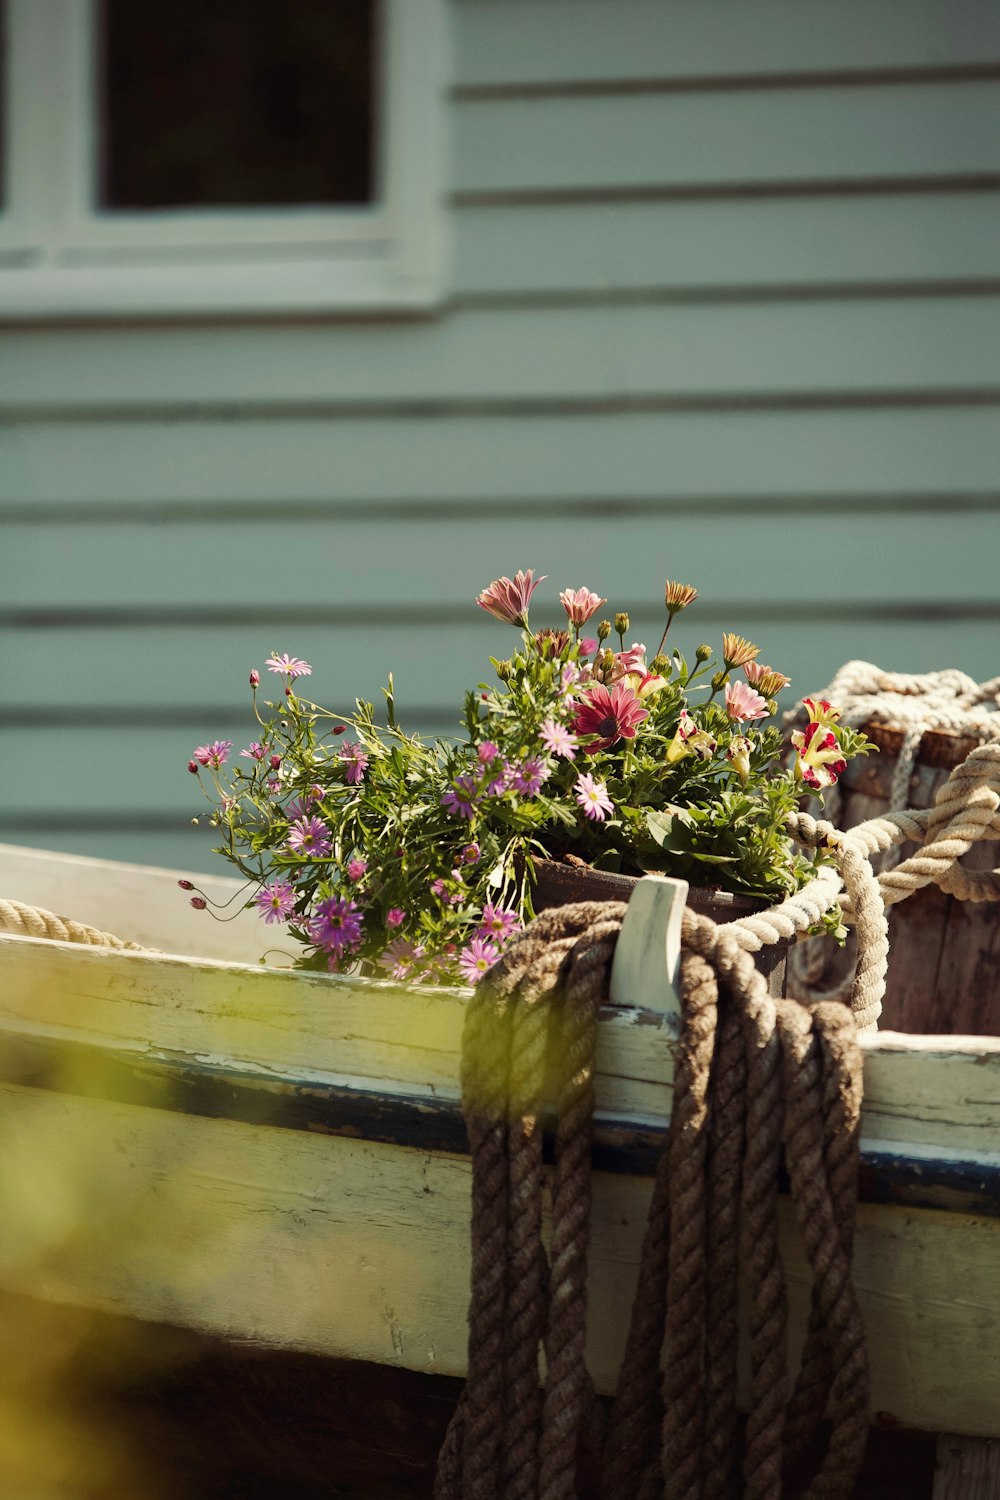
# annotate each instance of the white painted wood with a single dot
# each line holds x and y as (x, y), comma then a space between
(70, 260)
(355, 1249)
(142, 904)
(647, 961)
(568, 41)
(937, 343)
(727, 138)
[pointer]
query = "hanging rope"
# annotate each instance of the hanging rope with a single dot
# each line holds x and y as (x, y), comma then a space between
(752, 1072)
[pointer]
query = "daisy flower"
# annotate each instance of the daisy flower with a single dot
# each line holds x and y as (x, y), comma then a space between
(507, 598)
(460, 798)
(593, 798)
(335, 924)
(288, 666)
(275, 902)
(498, 923)
(309, 836)
(477, 958)
(356, 868)
(213, 755)
(527, 775)
(557, 739)
(743, 702)
(357, 762)
(610, 714)
(580, 604)
(256, 751)
(395, 917)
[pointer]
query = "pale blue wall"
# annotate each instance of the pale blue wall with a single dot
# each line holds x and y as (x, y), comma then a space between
(725, 307)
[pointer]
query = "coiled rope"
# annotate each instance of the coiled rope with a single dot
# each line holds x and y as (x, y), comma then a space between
(34, 921)
(752, 1073)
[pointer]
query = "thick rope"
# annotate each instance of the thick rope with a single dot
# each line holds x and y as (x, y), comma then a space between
(746, 1065)
(33, 921)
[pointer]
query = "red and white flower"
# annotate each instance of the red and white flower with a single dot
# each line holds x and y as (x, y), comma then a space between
(820, 759)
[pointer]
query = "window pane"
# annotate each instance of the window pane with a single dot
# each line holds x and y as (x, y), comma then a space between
(236, 103)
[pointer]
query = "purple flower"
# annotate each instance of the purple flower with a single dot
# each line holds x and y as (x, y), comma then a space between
(470, 854)
(460, 798)
(400, 957)
(557, 739)
(255, 751)
(335, 924)
(487, 753)
(357, 762)
(438, 888)
(309, 836)
(477, 958)
(528, 775)
(356, 868)
(593, 798)
(288, 666)
(215, 754)
(498, 922)
(276, 901)
(394, 917)
(299, 808)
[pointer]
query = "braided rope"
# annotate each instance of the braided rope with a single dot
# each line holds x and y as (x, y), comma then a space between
(33, 921)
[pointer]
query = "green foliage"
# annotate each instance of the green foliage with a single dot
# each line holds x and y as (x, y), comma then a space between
(414, 858)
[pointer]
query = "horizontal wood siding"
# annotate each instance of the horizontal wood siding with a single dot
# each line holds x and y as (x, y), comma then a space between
(725, 306)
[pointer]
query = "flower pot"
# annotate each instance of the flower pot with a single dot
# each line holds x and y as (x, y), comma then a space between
(944, 954)
(558, 883)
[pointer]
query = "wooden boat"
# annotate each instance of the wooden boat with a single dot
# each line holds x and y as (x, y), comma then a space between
(278, 1159)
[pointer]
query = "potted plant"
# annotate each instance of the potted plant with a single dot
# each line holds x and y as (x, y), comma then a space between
(419, 859)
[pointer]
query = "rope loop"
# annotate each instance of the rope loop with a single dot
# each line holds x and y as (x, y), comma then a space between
(754, 1077)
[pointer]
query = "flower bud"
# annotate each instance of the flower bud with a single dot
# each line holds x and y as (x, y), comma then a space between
(719, 680)
(702, 652)
(254, 677)
(661, 665)
(193, 767)
(505, 670)
(603, 629)
(622, 622)
(275, 762)
(339, 729)
(199, 903)
(185, 885)
(607, 660)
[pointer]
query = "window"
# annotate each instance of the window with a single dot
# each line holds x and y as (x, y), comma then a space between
(241, 156)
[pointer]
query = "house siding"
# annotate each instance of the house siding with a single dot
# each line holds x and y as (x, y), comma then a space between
(724, 305)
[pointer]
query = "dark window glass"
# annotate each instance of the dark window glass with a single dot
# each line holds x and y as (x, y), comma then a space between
(236, 103)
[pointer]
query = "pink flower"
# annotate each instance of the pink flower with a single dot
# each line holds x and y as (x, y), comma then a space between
(632, 660)
(475, 960)
(335, 924)
(438, 888)
(193, 767)
(356, 868)
(357, 762)
(215, 754)
(199, 903)
(819, 761)
(487, 753)
(580, 604)
(742, 702)
(470, 854)
(276, 901)
(299, 808)
(507, 598)
(609, 713)
(557, 739)
(593, 798)
(528, 775)
(588, 645)
(498, 922)
(309, 836)
(400, 956)
(765, 679)
(394, 917)
(255, 751)
(254, 677)
(461, 797)
(288, 666)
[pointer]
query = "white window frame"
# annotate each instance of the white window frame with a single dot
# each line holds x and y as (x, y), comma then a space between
(61, 257)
